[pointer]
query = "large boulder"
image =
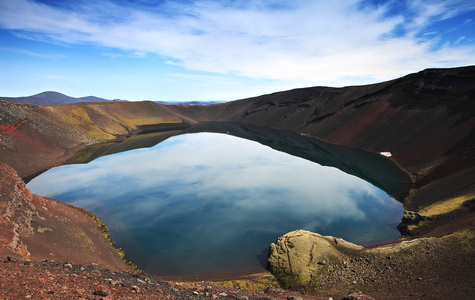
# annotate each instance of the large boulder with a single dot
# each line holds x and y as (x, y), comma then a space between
(300, 254)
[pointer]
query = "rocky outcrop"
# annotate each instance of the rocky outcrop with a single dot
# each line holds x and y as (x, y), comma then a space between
(424, 267)
(299, 256)
(358, 296)
(411, 222)
(16, 213)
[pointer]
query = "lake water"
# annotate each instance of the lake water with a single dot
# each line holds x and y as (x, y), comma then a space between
(208, 202)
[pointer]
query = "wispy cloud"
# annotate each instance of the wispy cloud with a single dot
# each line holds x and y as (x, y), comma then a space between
(301, 41)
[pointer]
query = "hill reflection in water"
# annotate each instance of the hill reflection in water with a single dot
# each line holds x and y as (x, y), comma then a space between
(207, 202)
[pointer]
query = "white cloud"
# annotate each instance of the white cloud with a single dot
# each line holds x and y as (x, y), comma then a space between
(307, 42)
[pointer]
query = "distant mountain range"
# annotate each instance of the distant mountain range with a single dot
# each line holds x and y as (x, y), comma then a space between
(55, 98)
(52, 98)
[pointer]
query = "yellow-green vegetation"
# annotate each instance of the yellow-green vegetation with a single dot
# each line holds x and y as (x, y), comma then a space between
(431, 166)
(43, 229)
(466, 238)
(446, 206)
(256, 282)
(133, 114)
(413, 229)
(111, 121)
(86, 243)
(78, 117)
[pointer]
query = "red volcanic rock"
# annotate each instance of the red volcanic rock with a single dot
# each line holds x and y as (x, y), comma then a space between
(9, 127)
(16, 213)
(39, 228)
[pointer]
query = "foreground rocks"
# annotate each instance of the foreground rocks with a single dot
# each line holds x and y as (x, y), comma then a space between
(434, 268)
(54, 280)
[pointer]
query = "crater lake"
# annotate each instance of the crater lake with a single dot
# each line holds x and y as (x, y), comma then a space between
(211, 202)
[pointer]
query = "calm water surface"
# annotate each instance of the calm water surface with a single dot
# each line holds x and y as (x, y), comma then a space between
(206, 202)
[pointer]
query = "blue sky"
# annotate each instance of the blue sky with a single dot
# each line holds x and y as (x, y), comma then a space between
(183, 50)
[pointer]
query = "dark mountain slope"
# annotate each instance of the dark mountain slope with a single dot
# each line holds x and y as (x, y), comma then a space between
(426, 120)
(431, 112)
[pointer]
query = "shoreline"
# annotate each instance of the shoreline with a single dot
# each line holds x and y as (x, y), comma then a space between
(214, 277)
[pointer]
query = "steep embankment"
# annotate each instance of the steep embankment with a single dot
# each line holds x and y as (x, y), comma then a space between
(38, 228)
(33, 138)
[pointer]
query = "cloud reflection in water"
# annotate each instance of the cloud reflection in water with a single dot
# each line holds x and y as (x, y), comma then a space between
(210, 202)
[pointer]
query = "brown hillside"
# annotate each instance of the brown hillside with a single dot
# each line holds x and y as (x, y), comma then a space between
(33, 138)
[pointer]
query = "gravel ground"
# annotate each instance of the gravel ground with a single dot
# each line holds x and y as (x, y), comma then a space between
(54, 280)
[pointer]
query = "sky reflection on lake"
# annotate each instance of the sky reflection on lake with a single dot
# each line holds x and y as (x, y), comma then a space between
(207, 202)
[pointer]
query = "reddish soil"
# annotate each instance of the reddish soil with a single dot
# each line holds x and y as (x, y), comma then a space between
(6, 128)
(39, 228)
(65, 280)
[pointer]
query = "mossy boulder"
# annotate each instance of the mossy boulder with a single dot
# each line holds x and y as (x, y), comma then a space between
(300, 254)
